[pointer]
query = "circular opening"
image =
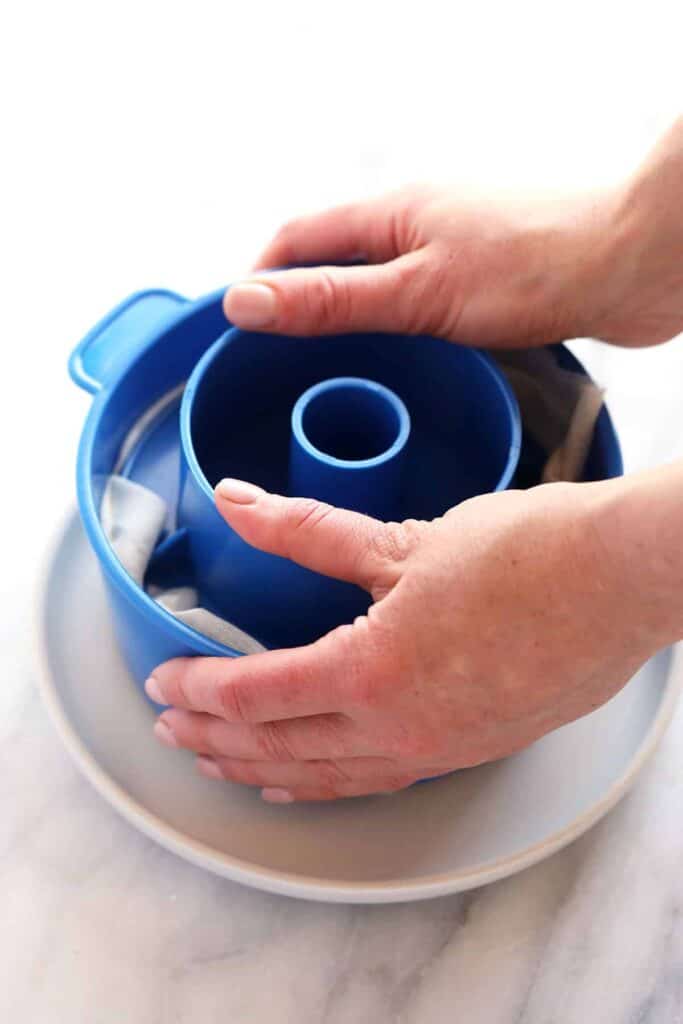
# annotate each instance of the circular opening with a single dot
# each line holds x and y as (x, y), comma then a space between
(351, 421)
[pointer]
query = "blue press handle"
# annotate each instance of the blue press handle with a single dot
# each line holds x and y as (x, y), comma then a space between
(119, 336)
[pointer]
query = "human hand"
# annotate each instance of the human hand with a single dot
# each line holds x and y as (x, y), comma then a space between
(495, 274)
(498, 274)
(509, 616)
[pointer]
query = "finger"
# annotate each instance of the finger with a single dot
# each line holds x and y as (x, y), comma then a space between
(324, 792)
(374, 771)
(297, 739)
(342, 233)
(331, 300)
(332, 541)
(290, 683)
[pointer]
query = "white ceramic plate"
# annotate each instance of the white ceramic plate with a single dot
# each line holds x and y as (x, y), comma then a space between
(445, 836)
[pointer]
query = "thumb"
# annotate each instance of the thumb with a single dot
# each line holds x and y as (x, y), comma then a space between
(334, 300)
(329, 540)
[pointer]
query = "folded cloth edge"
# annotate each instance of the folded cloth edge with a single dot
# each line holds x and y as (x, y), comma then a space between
(132, 518)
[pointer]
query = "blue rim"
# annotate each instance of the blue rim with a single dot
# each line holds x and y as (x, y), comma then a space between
(506, 394)
(186, 442)
(362, 384)
(90, 516)
(508, 399)
(110, 564)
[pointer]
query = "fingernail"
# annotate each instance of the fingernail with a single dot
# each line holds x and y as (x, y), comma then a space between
(153, 690)
(207, 766)
(164, 734)
(251, 305)
(277, 796)
(238, 491)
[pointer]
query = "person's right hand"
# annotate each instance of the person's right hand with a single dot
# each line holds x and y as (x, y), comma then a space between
(494, 274)
(502, 620)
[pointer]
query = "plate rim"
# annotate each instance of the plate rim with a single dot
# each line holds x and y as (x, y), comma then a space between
(289, 883)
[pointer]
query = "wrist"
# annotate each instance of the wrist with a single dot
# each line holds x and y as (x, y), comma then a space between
(606, 254)
(634, 275)
(637, 524)
(588, 246)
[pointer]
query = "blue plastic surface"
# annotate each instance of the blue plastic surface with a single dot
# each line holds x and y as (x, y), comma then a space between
(235, 420)
(158, 360)
(115, 340)
(146, 632)
(348, 446)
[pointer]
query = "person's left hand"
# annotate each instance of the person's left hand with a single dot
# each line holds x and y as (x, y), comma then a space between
(491, 626)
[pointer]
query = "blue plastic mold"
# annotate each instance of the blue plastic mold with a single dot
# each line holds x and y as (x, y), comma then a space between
(236, 420)
(348, 446)
(440, 424)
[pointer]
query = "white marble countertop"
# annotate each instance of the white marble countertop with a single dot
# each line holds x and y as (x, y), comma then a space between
(161, 147)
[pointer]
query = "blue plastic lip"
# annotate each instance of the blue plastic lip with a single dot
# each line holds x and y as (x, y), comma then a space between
(506, 394)
(605, 435)
(90, 516)
(186, 404)
(76, 364)
(508, 399)
(361, 384)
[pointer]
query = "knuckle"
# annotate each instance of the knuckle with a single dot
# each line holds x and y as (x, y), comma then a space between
(232, 701)
(184, 688)
(302, 517)
(271, 743)
(402, 227)
(397, 541)
(428, 296)
(333, 737)
(331, 774)
(329, 300)
(307, 513)
(405, 204)
(173, 678)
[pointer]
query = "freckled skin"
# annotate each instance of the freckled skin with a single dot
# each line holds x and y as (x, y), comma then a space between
(512, 614)
(509, 616)
(499, 273)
